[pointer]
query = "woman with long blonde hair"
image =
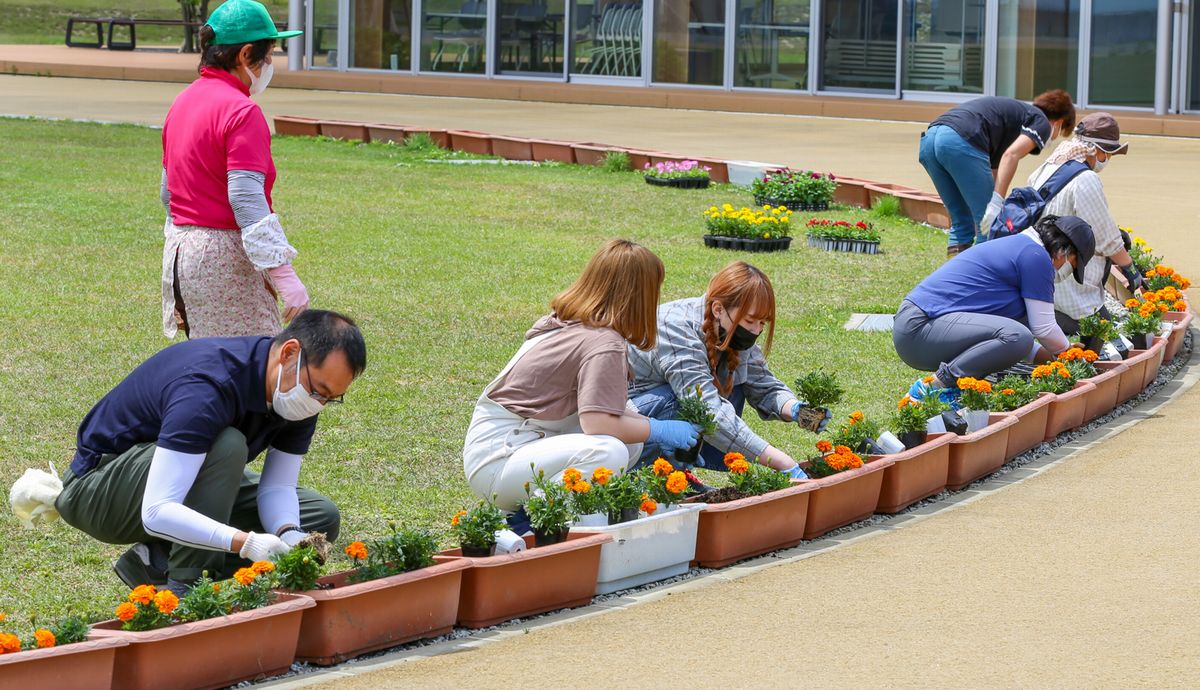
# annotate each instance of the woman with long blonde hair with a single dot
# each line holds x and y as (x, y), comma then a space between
(712, 342)
(562, 400)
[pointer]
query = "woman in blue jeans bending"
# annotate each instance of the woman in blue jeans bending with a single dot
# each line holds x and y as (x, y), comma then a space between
(971, 152)
(710, 342)
(991, 307)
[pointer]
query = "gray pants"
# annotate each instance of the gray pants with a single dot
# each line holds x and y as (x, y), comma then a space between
(960, 343)
(106, 503)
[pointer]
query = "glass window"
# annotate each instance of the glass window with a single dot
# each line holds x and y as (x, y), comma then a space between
(771, 44)
(324, 33)
(943, 50)
(530, 36)
(454, 36)
(608, 38)
(1124, 36)
(859, 44)
(689, 42)
(1038, 47)
(381, 34)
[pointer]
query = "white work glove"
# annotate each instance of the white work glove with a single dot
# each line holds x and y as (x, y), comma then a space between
(993, 210)
(293, 537)
(261, 547)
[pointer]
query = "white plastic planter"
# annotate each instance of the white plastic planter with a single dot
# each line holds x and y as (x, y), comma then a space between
(976, 419)
(648, 549)
(744, 173)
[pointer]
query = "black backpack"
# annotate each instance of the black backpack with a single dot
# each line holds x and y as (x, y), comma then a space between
(1025, 205)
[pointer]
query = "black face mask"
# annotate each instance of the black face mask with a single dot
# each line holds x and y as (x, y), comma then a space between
(742, 339)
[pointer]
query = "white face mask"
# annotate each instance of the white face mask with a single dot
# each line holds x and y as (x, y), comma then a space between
(1100, 163)
(259, 84)
(295, 404)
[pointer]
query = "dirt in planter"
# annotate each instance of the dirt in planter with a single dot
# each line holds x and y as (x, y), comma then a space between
(722, 495)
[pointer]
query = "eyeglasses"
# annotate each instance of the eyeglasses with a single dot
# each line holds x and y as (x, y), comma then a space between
(315, 395)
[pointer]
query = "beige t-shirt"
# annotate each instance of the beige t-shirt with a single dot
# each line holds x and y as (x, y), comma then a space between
(578, 369)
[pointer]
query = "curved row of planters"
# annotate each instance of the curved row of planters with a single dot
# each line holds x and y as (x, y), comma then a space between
(343, 620)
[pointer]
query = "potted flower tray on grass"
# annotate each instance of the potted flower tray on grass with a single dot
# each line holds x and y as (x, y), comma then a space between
(979, 453)
(797, 190)
(251, 635)
(683, 175)
(762, 511)
(58, 657)
(845, 489)
(860, 237)
(747, 229)
(395, 594)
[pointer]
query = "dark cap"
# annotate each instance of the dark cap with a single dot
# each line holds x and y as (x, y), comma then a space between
(1102, 130)
(1080, 233)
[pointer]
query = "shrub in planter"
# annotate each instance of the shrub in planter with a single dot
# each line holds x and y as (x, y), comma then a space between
(800, 190)
(692, 408)
(687, 174)
(858, 433)
(550, 510)
(69, 630)
(833, 459)
(819, 391)
(476, 528)
(662, 484)
(1142, 325)
(403, 550)
(1010, 393)
(748, 479)
(843, 236)
(1169, 297)
(910, 421)
(1054, 377)
(1095, 331)
(976, 400)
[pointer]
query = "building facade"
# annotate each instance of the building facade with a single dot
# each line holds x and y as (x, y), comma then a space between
(1139, 55)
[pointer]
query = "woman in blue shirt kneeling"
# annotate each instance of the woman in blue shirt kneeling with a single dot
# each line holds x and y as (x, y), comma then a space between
(991, 307)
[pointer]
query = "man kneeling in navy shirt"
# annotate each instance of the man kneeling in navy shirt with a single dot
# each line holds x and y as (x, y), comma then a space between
(161, 461)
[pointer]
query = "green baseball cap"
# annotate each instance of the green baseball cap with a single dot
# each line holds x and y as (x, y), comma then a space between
(244, 21)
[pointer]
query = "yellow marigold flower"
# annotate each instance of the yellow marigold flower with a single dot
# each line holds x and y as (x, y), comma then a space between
(1179, 305)
(570, 476)
(44, 638)
(1008, 391)
(601, 476)
(126, 611)
(648, 506)
(581, 487)
(729, 459)
(142, 594)
(357, 550)
(677, 482)
(824, 446)
(457, 518)
(244, 576)
(9, 644)
(739, 467)
(166, 601)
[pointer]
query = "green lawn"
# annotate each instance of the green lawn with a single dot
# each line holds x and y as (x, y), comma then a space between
(444, 267)
(45, 21)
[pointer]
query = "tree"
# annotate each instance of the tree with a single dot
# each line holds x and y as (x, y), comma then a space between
(192, 11)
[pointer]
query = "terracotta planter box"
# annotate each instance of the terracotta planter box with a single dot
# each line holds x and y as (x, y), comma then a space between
(1134, 377)
(719, 171)
(924, 208)
(546, 150)
(980, 453)
(1180, 322)
(1108, 386)
(657, 157)
(81, 666)
(353, 619)
(340, 129)
(394, 134)
(441, 137)
(737, 530)
(589, 153)
(638, 159)
(878, 190)
(1030, 429)
(852, 192)
(1067, 410)
(215, 653)
(916, 473)
(512, 148)
(297, 126)
(1159, 349)
(470, 141)
(845, 497)
(499, 588)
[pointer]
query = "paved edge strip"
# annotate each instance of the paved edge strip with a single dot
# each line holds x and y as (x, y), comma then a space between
(1188, 376)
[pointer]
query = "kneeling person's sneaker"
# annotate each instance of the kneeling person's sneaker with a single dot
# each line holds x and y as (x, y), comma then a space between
(923, 388)
(143, 564)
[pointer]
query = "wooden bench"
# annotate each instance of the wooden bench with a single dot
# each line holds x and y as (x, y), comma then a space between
(132, 23)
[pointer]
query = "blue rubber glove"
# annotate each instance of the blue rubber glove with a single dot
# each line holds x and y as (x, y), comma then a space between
(795, 412)
(796, 472)
(673, 434)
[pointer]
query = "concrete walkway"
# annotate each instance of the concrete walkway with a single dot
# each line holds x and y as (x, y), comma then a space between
(1082, 576)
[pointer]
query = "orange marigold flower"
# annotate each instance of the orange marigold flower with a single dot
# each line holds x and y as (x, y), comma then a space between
(983, 386)
(260, 567)
(824, 446)
(166, 601)
(142, 594)
(357, 550)
(601, 476)
(216, 586)
(903, 402)
(677, 482)
(729, 459)
(928, 379)
(836, 462)
(648, 506)
(841, 450)
(570, 476)
(1179, 305)
(457, 518)
(856, 416)
(1090, 356)
(853, 461)
(44, 638)
(244, 576)
(739, 467)
(581, 487)
(662, 468)
(1065, 373)
(1163, 308)
(126, 611)
(9, 644)
(2, 617)
(966, 383)
(1131, 303)
(1008, 391)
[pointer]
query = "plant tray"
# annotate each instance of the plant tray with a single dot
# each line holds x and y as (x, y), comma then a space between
(1067, 409)
(837, 245)
(679, 182)
(792, 205)
(1108, 387)
(747, 245)
(547, 578)
(1180, 321)
(1030, 429)
(84, 665)
(353, 619)
(980, 453)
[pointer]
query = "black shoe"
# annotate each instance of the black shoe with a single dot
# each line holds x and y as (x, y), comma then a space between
(143, 564)
(956, 249)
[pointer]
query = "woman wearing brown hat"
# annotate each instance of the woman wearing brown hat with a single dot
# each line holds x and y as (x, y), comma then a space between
(1097, 138)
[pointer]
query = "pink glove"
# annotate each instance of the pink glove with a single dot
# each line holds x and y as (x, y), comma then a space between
(288, 285)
